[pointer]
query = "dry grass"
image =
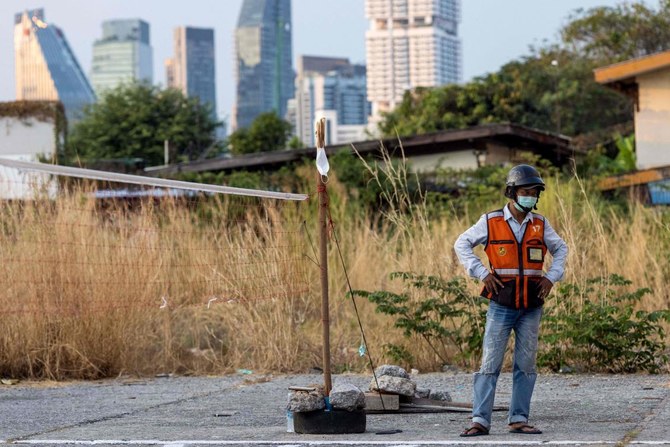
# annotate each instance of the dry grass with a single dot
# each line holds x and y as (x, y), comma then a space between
(84, 284)
(93, 291)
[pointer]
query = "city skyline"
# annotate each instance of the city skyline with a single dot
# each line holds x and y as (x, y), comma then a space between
(264, 75)
(45, 67)
(332, 88)
(192, 67)
(122, 54)
(317, 30)
(409, 44)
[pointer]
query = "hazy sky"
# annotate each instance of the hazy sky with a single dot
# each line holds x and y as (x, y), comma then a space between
(493, 32)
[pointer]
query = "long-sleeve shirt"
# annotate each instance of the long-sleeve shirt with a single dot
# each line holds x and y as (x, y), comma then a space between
(478, 234)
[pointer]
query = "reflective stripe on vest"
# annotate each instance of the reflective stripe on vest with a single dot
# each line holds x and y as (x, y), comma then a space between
(515, 272)
(516, 260)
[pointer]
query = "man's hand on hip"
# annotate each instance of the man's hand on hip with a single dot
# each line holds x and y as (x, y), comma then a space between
(493, 284)
(544, 287)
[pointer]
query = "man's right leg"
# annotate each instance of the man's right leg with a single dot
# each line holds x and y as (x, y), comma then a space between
(499, 323)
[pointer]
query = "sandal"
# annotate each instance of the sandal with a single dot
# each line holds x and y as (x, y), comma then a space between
(524, 429)
(476, 429)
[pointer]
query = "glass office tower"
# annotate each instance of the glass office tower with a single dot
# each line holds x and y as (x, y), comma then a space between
(123, 54)
(264, 72)
(191, 69)
(45, 66)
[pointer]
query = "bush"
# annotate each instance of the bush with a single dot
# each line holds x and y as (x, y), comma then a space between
(598, 329)
(602, 332)
(438, 311)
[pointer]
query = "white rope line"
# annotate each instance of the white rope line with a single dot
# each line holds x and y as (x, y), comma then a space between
(92, 174)
(319, 443)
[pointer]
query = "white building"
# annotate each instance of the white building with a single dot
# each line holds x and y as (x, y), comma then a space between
(338, 133)
(410, 43)
(123, 54)
(29, 131)
(330, 88)
(647, 81)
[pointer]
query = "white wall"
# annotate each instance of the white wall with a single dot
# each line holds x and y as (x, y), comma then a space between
(25, 139)
(464, 159)
(495, 154)
(652, 121)
(26, 136)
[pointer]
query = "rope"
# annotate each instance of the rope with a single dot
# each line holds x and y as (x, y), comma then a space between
(309, 237)
(92, 174)
(358, 317)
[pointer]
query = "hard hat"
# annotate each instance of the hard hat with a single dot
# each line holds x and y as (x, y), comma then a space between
(522, 176)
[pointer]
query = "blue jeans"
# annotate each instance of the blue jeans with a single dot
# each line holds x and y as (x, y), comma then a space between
(500, 321)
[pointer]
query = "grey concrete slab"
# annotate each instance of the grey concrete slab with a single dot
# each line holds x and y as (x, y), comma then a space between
(249, 410)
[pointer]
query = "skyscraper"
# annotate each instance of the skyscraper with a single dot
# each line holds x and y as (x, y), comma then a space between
(123, 54)
(410, 43)
(332, 88)
(264, 72)
(191, 69)
(46, 68)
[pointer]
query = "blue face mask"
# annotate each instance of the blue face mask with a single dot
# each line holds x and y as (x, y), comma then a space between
(527, 202)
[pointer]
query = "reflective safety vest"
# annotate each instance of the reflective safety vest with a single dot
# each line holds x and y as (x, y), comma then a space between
(517, 264)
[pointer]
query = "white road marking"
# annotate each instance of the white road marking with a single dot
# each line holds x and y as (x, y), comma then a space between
(298, 443)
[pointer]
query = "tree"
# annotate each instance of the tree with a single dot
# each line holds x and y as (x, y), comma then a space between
(268, 132)
(295, 143)
(134, 120)
(612, 34)
(552, 89)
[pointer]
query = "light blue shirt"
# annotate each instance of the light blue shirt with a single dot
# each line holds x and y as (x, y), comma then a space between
(478, 233)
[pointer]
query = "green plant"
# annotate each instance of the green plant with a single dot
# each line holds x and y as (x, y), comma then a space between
(268, 132)
(439, 311)
(398, 354)
(625, 159)
(597, 328)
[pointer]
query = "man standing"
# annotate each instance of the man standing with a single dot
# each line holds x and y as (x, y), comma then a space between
(516, 241)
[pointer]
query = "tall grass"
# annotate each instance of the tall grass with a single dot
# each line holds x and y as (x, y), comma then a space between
(151, 287)
(93, 289)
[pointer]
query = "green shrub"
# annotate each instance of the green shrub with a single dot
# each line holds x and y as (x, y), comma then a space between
(597, 328)
(438, 311)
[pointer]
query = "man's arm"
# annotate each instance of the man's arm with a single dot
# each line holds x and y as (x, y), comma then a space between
(559, 251)
(473, 236)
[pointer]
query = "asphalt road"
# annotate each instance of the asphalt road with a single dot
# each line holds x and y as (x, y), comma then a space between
(248, 410)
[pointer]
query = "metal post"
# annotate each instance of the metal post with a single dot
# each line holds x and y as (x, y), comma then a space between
(166, 152)
(323, 263)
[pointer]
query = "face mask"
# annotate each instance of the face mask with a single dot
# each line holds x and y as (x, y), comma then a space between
(527, 202)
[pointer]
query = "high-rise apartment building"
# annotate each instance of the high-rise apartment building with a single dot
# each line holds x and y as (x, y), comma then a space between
(123, 54)
(410, 43)
(191, 69)
(45, 66)
(331, 88)
(263, 58)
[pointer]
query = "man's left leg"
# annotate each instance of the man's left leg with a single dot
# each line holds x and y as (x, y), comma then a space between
(525, 353)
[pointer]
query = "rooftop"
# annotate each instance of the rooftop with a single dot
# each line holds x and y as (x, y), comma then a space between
(553, 147)
(626, 71)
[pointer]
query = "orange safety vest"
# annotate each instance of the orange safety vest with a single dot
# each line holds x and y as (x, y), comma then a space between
(517, 264)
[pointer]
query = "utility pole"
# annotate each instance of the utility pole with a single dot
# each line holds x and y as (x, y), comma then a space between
(323, 259)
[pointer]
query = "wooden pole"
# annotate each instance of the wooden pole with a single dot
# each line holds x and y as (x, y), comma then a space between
(323, 262)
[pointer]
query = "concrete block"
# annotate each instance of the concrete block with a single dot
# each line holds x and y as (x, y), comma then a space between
(373, 401)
